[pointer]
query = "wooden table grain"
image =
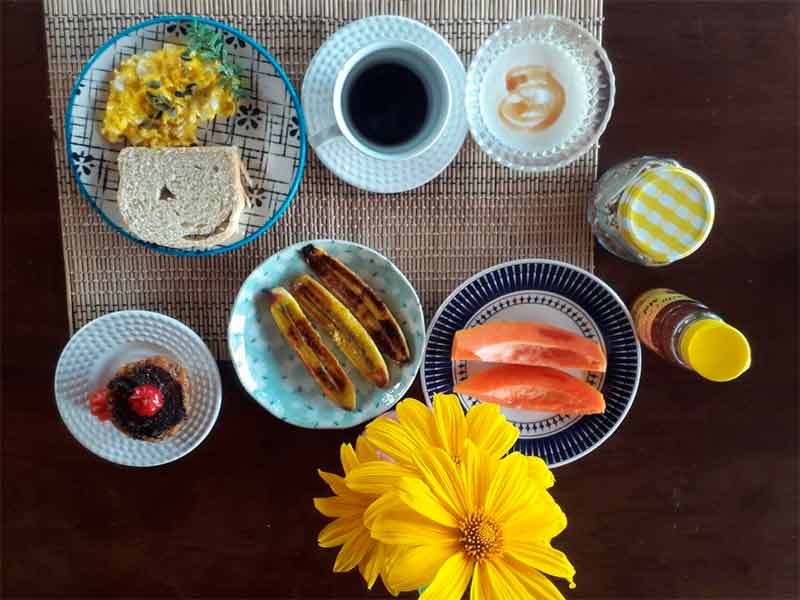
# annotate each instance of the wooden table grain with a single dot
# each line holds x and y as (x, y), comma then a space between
(696, 495)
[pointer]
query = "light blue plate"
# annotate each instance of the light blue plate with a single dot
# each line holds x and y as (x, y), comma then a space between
(271, 372)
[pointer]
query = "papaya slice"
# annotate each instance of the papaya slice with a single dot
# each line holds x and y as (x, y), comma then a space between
(527, 343)
(534, 388)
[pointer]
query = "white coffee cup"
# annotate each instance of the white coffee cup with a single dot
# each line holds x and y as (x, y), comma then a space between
(437, 89)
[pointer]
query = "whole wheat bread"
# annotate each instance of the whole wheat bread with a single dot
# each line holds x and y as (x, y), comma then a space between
(182, 197)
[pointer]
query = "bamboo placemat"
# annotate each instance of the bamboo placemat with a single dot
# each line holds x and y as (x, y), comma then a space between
(474, 215)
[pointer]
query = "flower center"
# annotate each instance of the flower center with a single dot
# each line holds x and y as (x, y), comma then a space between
(480, 537)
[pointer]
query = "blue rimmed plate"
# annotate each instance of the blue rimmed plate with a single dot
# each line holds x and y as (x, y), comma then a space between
(271, 372)
(269, 128)
(558, 294)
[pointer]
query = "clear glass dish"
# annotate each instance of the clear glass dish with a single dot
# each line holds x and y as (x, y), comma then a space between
(592, 62)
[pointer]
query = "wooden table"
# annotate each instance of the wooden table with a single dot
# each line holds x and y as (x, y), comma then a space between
(694, 496)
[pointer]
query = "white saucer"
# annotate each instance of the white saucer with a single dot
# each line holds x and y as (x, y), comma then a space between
(351, 165)
(97, 350)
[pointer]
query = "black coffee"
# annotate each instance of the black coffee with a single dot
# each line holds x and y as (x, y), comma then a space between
(387, 103)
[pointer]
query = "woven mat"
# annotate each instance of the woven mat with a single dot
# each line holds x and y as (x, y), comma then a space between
(474, 215)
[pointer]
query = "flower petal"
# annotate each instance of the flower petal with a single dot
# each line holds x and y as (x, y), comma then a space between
(387, 502)
(418, 497)
(443, 478)
(372, 564)
(339, 531)
(335, 482)
(536, 585)
(392, 553)
(481, 588)
(478, 469)
(336, 506)
(416, 567)
(543, 557)
(502, 581)
(510, 489)
(451, 580)
(389, 437)
(408, 528)
(540, 472)
(450, 423)
(364, 450)
(377, 477)
(417, 419)
(489, 429)
(353, 551)
(542, 519)
(348, 457)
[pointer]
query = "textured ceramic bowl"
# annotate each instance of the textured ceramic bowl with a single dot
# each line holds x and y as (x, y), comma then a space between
(98, 349)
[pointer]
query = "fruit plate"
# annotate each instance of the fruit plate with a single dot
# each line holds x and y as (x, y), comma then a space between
(557, 294)
(268, 128)
(98, 349)
(272, 373)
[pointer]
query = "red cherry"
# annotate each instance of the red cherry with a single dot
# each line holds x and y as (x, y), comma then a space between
(100, 404)
(146, 400)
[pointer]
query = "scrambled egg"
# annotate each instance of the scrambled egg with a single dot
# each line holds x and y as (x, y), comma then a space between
(159, 98)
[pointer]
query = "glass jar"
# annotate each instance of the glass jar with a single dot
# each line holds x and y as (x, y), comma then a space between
(686, 333)
(651, 211)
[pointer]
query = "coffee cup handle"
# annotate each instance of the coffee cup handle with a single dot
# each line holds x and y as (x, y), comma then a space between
(325, 136)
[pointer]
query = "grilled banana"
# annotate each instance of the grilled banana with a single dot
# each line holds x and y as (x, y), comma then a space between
(332, 317)
(356, 295)
(305, 341)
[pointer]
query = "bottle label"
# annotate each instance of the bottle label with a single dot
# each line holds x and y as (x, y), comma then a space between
(647, 307)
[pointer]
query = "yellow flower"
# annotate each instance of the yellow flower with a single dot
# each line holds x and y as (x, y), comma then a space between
(483, 519)
(348, 530)
(418, 427)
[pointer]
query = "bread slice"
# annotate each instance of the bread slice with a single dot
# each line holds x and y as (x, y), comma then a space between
(182, 197)
(177, 372)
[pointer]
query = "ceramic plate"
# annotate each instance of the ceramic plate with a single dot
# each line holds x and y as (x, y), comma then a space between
(558, 294)
(271, 372)
(348, 163)
(268, 128)
(97, 350)
(565, 40)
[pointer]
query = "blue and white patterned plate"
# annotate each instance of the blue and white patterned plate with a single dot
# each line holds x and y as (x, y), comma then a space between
(558, 294)
(269, 128)
(270, 370)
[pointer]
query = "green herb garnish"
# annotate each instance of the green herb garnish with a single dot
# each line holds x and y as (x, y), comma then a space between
(208, 43)
(159, 102)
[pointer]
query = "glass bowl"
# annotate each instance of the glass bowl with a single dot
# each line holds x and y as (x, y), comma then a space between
(593, 63)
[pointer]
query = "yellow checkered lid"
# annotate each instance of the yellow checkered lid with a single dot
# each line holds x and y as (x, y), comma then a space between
(667, 213)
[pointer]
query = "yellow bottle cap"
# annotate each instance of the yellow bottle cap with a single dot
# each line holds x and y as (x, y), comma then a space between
(667, 213)
(715, 350)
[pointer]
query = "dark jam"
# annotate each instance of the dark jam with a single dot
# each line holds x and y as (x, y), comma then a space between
(146, 427)
(659, 316)
(666, 324)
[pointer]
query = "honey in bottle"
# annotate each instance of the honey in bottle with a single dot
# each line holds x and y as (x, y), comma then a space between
(685, 332)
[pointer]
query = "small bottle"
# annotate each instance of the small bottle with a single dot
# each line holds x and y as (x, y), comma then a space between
(651, 211)
(685, 332)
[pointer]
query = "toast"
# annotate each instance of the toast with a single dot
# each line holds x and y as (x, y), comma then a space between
(182, 197)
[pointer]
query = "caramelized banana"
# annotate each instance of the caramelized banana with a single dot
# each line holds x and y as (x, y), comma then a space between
(356, 295)
(305, 341)
(332, 317)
